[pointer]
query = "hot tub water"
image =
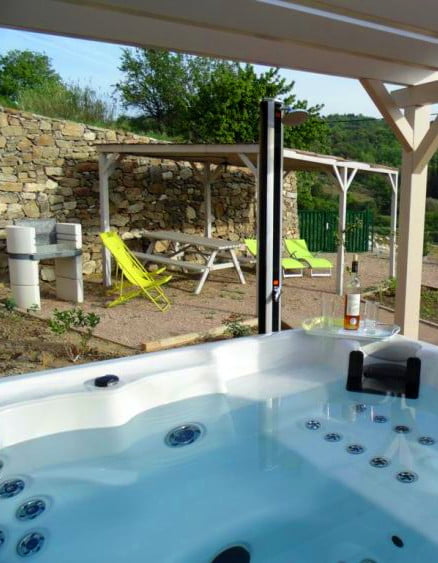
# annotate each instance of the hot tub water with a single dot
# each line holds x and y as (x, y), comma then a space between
(320, 476)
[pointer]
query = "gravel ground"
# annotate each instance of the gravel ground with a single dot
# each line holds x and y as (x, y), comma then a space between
(137, 321)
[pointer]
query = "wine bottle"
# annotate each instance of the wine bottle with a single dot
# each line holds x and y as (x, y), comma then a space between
(352, 298)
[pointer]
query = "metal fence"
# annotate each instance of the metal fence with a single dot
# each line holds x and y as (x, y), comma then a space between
(320, 230)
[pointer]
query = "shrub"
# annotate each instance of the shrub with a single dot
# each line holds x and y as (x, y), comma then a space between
(63, 321)
(68, 101)
(236, 328)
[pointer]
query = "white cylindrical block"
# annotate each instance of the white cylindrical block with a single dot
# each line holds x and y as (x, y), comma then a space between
(23, 272)
(20, 240)
(26, 296)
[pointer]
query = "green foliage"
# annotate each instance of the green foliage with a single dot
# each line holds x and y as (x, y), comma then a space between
(21, 70)
(385, 288)
(316, 192)
(207, 100)
(235, 327)
(432, 224)
(160, 84)
(10, 304)
(427, 243)
(64, 321)
(68, 101)
(429, 304)
(366, 140)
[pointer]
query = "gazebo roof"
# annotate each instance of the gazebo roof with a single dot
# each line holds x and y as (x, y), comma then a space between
(391, 41)
(229, 154)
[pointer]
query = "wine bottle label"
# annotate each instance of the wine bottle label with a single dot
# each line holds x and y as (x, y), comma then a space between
(353, 305)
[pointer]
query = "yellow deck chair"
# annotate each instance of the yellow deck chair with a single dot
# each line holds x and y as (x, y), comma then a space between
(132, 275)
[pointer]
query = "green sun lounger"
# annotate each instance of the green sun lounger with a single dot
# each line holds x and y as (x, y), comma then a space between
(297, 248)
(291, 268)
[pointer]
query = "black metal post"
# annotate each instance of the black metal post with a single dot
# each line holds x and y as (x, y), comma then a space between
(269, 236)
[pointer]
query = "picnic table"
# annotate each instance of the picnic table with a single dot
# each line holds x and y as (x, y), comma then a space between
(217, 254)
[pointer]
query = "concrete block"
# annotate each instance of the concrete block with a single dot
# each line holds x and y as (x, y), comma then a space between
(69, 233)
(70, 268)
(20, 240)
(23, 272)
(70, 290)
(70, 243)
(26, 296)
(68, 229)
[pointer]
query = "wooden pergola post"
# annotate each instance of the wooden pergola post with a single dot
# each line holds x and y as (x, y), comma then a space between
(419, 140)
(344, 179)
(107, 164)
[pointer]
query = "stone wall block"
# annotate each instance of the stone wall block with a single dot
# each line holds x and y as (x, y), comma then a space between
(12, 131)
(9, 197)
(70, 129)
(53, 171)
(11, 186)
(14, 211)
(33, 187)
(45, 140)
(31, 209)
(56, 198)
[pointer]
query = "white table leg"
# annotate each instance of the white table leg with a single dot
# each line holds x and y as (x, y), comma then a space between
(237, 266)
(205, 273)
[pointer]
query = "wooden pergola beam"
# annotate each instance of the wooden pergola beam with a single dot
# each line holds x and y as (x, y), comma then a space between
(426, 148)
(419, 95)
(390, 111)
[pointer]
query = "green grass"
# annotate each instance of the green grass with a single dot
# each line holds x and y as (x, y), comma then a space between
(428, 304)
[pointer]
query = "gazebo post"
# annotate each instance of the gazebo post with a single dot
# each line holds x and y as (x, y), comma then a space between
(411, 229)
(207, 199)
(106, 166)
(419, 140)
(393, 179)
(344, 180)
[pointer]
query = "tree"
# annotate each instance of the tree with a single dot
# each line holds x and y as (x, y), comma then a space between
(22, 70)
(161, 84)
(227, 108)
(207, 100)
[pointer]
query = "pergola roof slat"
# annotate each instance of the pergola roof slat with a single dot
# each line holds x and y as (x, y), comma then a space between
(229, 154)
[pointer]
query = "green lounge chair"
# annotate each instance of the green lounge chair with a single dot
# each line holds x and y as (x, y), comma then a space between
(319, 267)
(291, 268)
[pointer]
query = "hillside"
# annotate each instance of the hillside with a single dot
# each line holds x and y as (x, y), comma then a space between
(365, 139)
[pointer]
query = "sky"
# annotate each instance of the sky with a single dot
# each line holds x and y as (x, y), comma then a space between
(96, 64)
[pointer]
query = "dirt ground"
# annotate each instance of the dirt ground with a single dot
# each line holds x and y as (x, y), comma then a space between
(28, 344)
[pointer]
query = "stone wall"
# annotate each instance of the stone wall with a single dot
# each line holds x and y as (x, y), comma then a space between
(48, 168)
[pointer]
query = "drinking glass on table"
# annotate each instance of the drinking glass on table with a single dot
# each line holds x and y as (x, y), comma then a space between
(370, 316)
(328, 301)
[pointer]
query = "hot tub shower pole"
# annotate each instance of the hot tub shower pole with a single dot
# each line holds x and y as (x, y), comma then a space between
(269, 211)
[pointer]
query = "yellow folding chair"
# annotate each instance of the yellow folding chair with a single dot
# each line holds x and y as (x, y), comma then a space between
(130, 273)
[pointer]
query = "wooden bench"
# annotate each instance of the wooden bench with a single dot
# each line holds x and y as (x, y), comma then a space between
(181, 264)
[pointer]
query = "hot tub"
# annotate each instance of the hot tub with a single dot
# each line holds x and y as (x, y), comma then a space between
(236, 451)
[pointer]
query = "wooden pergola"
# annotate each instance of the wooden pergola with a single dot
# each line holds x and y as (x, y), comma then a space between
(369, 41)
(215, 156)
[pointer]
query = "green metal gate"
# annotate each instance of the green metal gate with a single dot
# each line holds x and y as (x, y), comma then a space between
(320, 228)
